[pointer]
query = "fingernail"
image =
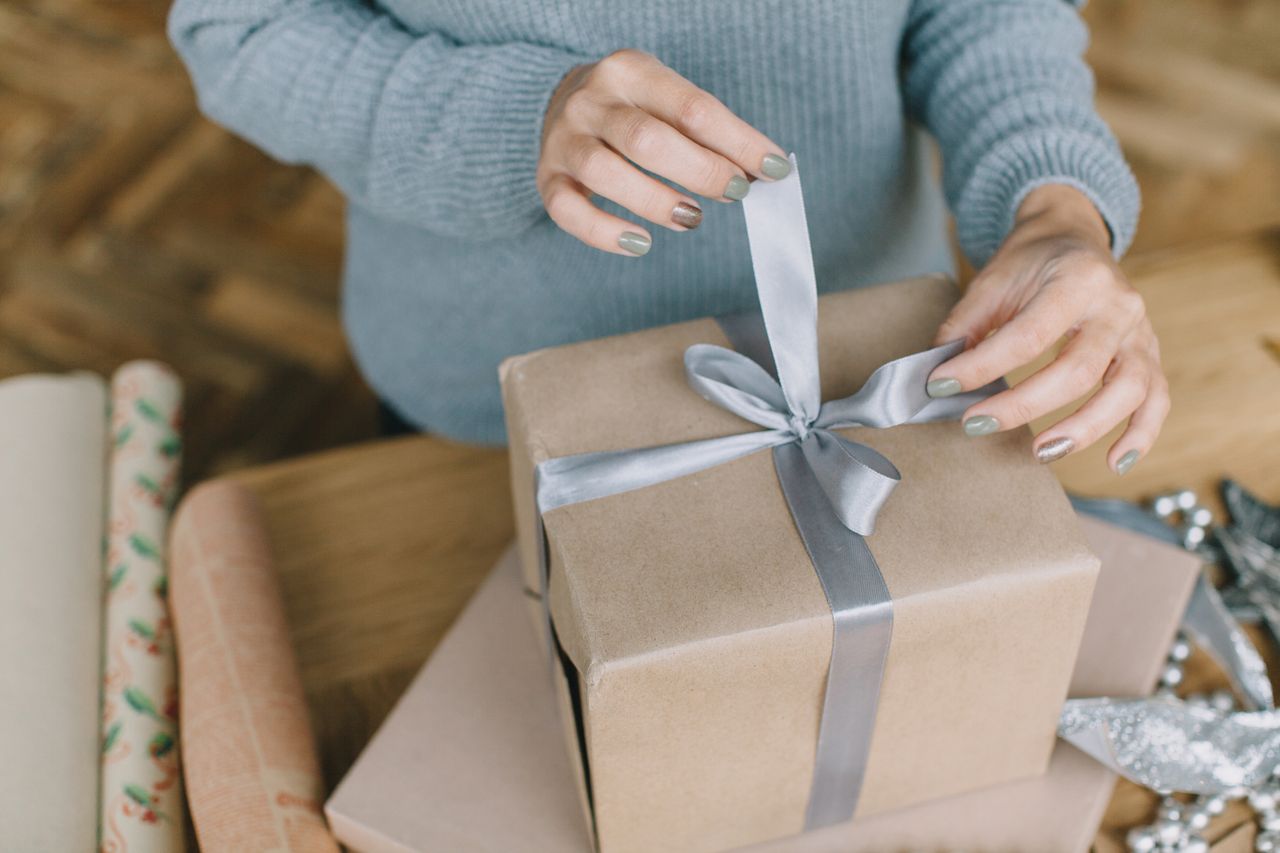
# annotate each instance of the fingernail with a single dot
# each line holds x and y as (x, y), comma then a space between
(981, 425)
(636, 244)
(1052, 451)
(737, 189)
(775, 167)
(688, 215)
(942, 387)
(1124, 463)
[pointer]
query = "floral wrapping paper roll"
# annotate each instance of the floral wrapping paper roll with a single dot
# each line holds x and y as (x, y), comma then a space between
(141, 792)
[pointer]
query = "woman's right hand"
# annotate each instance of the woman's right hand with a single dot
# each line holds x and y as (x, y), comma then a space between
(629, 110)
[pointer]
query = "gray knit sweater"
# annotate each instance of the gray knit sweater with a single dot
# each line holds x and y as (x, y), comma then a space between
(428, 114)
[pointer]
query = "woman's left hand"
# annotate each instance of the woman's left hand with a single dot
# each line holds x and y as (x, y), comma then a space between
(1054, 276)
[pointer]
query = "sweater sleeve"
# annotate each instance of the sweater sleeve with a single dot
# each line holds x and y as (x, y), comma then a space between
(1003, 87)
(411, 126)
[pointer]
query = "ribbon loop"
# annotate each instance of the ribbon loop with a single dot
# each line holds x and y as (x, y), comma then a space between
(734, 382)
(856, 479)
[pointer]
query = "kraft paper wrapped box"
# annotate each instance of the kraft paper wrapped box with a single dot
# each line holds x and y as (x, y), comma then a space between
(471, 760)
(696, 634)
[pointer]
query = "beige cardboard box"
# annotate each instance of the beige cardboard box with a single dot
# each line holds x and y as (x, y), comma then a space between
(471, 760)
(699, 635)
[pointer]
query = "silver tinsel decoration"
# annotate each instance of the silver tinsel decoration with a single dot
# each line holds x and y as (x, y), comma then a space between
(1249, 548)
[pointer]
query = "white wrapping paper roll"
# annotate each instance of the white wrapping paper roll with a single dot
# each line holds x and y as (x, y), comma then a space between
(52, 463)
(141, 793)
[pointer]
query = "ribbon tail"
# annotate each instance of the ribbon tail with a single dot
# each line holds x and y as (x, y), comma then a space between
(782, 260)
(1214, 630)
(862, 613)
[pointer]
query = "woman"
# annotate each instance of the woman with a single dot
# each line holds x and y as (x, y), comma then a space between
(475, 140)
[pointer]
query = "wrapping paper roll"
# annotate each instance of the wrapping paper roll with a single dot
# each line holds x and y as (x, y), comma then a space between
(141, 793)
(253, 781)
(52, 462)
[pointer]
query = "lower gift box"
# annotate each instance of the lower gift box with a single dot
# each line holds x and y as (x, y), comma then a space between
(472, 757)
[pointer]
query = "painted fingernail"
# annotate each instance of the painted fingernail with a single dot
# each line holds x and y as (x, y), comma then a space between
(1052, 451)
(1124, 463)
(775, 167)
(737, 189)
(688, 215)
(942, 387)
(636, 244)
(981, 425)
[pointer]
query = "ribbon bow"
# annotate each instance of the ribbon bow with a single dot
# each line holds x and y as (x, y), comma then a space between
(856, 479)
(834, 487)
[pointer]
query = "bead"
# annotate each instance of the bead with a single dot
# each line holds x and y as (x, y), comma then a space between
(1172, 676)
(1262, 800)
(1270, 821)
(1194, 844)
(1213, 804)
(1170, 811)
(1164, 505)
(1192, 536)
(1169, 832)
(1141, 840)
(1267, 842)
(1186, 499)
(1180, 650)
(1197, 819)
(1200, 516)
(1222, 700)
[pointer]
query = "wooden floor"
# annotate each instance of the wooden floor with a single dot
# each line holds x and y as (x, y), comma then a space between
(130, 226)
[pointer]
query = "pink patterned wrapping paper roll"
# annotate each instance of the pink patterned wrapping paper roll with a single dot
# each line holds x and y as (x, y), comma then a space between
(253, 780)
(141, 808)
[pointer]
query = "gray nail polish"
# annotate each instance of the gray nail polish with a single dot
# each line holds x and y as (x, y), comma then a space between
(688, 215)
(981, 425)
(942, 387)
(1124, 463)
(636, 244)
(737, 189)
(775, 167)
(1052, 451)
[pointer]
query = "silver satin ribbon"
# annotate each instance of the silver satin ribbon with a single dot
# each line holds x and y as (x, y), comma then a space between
(1163, 743)
(834, 487)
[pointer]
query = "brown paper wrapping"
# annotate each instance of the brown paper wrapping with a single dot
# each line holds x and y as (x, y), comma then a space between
(252, 778)
(700, 633)
(477, 736)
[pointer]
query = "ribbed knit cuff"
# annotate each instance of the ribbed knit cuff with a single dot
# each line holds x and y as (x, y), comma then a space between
(458, 144)
(1015, 166)
(510, 96)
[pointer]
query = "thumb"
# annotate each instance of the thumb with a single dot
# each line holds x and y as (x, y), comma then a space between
(971, 319)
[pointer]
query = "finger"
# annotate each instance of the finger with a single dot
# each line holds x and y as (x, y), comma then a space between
(1079, 367)
(657, 146)
(1045, 319)
(1144, 428)
(606, 174)
(1127, 385)
(570, 208)
(701, 117)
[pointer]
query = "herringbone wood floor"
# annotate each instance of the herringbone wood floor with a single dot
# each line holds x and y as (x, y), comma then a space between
(131, 227)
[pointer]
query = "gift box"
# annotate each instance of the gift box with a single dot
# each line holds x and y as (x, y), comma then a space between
(470, 758)
(723, 689)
